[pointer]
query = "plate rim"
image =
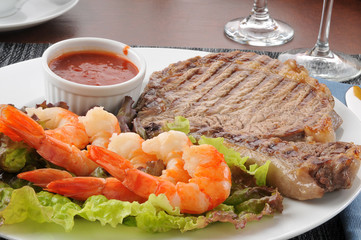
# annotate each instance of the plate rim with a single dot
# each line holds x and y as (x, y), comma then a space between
(22, 25)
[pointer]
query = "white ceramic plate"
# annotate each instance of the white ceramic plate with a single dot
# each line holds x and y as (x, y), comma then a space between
(21, 83)
(35, 12)
(353, 102)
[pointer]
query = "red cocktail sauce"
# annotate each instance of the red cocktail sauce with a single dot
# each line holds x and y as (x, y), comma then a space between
(93, 68)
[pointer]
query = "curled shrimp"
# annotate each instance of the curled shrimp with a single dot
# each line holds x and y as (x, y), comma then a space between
(51, 144)
(61, 124)
(100, 125)
(129, 146)
(208, 176)
(79, 188)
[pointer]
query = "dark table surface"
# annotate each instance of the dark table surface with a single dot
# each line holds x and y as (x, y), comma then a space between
(194, 24)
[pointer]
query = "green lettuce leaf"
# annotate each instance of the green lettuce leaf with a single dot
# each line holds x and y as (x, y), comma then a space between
(154, 215)
(13, 155)
(23, 205)
(234, 158)
(40, 207)
(5, 195)
(180, 124)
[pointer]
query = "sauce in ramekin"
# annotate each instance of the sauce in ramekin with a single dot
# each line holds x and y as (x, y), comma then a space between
(96, 68)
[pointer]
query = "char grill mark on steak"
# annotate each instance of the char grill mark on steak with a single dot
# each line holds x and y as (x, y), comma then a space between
(210, 73)
(254, 100)
(213, 84)
(201, 80)
(236, 86)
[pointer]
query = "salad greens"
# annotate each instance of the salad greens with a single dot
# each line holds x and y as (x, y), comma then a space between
(249, 200)
(13, 155)
(154, 215)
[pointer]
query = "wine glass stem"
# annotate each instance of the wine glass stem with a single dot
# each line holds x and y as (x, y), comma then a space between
(260, 10)
(322, 46)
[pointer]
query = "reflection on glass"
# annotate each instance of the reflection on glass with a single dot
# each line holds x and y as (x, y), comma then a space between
(320, 61)
(259, 29)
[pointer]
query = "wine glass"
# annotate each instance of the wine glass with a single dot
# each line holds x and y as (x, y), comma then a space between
(320, 61)
(259, 29)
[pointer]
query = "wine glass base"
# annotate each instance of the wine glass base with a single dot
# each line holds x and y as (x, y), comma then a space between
(336, 67)
(256, 34)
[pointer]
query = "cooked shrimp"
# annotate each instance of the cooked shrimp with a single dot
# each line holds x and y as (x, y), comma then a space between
(13, 136)
(62, 124)
(129, 146)
(42, 177)
(100, 125)
(79, 188)
(167, 146)
(208, 186)
(47, 145)
(175, 171)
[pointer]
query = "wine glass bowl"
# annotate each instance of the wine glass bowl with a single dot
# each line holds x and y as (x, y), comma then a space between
(259, 29)
(320, 61)
(333, 66)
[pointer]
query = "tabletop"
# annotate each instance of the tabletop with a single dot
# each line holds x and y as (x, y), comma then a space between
(193, 23)
(197, 24)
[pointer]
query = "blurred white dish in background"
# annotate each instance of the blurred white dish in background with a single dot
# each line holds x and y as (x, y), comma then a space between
(9, 7)
(35, 12)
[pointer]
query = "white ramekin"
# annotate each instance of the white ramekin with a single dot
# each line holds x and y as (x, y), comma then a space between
(81, 97)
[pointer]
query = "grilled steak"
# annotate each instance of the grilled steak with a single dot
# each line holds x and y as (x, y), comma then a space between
(240, 93)
(302, 170)
(263, 108)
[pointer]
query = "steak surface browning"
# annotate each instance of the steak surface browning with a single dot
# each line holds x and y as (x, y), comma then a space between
(240, 93)
(302, 170)
(264, 109)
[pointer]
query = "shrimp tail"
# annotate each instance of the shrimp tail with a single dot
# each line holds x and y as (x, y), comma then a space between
(144, 184)
(115, 164)
(8, 132)
(19, 126)
(42, 177)
(81, 188)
